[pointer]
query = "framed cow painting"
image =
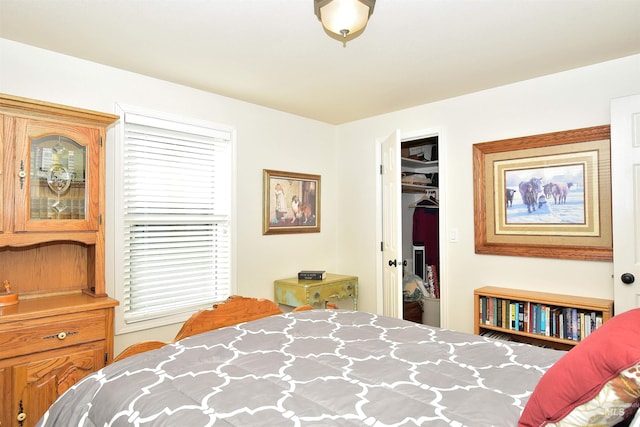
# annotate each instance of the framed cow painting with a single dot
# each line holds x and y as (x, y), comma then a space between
(545, 195)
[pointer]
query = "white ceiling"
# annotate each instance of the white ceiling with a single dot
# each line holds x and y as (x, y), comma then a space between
(275, 52)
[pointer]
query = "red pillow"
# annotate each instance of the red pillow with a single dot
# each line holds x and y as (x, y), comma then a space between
(581, 373)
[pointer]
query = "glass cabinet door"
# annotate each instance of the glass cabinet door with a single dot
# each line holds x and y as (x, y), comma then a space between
(56, 177)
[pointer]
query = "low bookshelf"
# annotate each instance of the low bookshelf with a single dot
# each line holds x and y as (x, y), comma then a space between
(539, 318)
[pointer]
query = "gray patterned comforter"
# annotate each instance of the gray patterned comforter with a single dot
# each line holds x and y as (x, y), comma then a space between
(312, 368)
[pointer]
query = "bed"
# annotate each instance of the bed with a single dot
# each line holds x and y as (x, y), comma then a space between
(314, 368)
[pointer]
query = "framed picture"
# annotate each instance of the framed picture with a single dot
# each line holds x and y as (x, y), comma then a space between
(545, 195)
(291, 202)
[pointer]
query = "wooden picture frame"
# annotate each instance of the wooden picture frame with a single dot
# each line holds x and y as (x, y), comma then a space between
(545, 195)
(291, 202)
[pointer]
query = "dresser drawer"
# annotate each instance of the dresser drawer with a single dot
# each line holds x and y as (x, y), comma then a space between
(51, 332)
(320, 294)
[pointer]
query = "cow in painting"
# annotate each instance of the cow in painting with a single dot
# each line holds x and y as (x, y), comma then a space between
(529, 191)
(508, 196)
(560, 191)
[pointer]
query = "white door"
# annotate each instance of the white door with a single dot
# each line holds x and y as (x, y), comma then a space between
(625, 185)
(391, 227)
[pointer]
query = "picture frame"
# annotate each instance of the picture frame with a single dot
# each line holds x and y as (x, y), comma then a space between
(291, 202)
(545, 195)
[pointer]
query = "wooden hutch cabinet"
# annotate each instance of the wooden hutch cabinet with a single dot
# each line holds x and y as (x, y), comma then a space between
(52, 188)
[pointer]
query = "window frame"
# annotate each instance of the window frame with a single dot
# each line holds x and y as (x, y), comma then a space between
(115, 216)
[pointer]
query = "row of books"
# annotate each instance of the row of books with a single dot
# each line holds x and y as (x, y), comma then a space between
(503, 336)
(496, 335)
(552, 321)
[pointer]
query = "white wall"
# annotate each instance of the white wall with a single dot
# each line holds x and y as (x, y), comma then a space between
(266, 139)
(347, 158)
(569, 100)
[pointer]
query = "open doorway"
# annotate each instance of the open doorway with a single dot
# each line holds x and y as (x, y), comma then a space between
(411, 194)
(420, 228)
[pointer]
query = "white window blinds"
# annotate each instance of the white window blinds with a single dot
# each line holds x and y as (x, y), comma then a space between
(176, 205)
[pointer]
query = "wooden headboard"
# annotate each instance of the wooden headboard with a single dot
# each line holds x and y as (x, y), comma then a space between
(236, 309)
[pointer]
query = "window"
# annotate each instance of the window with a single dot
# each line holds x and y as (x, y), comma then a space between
(173, 218)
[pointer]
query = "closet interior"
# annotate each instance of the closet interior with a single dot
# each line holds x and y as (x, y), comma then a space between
(420, 237)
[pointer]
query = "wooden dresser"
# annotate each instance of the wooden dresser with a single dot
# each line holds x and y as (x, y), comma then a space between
(295, 293)
(52, 188)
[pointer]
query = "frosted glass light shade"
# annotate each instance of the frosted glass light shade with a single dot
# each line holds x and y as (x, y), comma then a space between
(344, 17)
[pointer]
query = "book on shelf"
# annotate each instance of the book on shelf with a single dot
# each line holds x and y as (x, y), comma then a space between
(567, 323)
(312, 275)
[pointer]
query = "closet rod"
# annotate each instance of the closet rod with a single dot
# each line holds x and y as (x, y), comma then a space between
(427, 201)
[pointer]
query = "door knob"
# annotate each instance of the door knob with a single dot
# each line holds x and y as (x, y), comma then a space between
(394, 263)
(627, 278)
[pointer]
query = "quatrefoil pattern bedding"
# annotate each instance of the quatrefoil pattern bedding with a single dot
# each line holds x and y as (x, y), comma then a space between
(313, 368)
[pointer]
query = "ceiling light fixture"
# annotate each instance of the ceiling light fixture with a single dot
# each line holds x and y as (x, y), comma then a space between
(343, 20)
